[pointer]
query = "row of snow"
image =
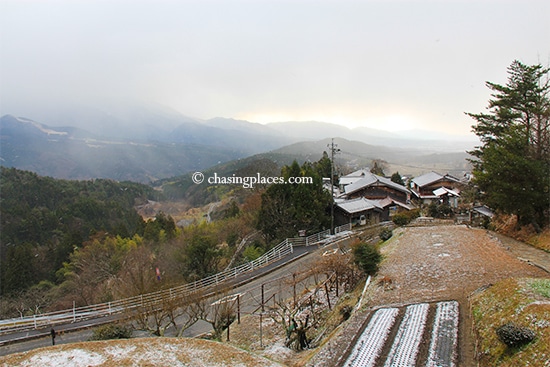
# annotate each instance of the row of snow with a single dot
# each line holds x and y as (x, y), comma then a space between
(372, 340)
(444, 336)
(405, 346)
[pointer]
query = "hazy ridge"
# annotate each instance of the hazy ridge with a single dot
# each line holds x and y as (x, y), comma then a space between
(145, 144)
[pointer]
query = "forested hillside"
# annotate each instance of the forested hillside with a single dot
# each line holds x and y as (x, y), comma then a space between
(43, 219)
(82, 242)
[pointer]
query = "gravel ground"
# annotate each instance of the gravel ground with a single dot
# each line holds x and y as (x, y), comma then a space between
(430, 264)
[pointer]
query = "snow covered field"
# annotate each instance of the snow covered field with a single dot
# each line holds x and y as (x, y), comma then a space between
(444, 336)
(404, 349)
(372, 340)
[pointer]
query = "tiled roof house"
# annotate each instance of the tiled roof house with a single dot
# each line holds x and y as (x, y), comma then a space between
(373, 187)
(434, 186)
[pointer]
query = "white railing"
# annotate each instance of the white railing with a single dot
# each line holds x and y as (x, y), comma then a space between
(75, 314)
(342, 228)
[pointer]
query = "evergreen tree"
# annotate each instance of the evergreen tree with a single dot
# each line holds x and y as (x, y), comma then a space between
(290, 207)
(396, 177)
(512, 166)
(378, 167)
(324, 166)
(47, 218)
(201, 254)
(366, 257)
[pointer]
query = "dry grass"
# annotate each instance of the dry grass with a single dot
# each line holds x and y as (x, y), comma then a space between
(523, 301)
(508, 225)
(541, 240)
(139, 352)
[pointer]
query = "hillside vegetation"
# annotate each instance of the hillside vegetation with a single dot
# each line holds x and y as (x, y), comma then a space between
(84, 242)
(524, 302)
(43, 219)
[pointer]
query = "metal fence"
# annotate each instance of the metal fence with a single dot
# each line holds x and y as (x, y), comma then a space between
(76, 314)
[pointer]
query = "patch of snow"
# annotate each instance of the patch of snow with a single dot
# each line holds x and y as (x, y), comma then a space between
(120, 352)
(278, 350)
(160, 357)
(73, 358)
(404, 349)
(438, 245)
(41, 127)
(444, 337)
(370, 344)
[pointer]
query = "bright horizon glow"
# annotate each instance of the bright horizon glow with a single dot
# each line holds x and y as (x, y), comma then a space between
(390, 123)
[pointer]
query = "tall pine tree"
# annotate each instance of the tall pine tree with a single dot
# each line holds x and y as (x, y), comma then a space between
(512, 165)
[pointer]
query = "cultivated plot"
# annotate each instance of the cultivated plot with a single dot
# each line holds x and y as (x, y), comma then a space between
(371, 342)
(444, 336)
(375, 347)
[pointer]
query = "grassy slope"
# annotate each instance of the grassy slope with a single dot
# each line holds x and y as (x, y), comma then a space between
(525, 302)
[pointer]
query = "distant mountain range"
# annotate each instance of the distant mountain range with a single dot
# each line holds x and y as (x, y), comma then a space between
(146, 144)
(72, 153)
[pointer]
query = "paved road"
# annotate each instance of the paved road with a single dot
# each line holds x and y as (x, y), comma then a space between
(252, 287)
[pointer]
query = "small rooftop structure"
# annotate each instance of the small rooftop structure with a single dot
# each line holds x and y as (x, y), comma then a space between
(484, 210)
(445, 191)
(432, 177)
(358, 205)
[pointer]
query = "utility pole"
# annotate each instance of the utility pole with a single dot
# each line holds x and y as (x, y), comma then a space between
(333, 150)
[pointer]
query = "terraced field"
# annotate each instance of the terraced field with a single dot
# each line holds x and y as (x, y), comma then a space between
(394, 337)
(431, 265)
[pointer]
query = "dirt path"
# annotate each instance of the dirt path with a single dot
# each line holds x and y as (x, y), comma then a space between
(444, 262)
(431, 264)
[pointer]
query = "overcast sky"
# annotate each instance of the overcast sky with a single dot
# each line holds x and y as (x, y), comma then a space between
(384, 64)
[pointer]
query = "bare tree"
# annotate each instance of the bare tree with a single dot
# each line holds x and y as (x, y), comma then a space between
(220, 314)
(180, 311)
(137, 275)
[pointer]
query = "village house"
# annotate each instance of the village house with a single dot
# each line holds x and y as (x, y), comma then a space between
(434, 187)
(382, 197)
(359, 211)
(365, 184)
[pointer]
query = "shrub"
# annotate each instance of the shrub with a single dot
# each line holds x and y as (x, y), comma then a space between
(439, 210)
(111, 331)
(401, 219)
(515, 336)
(366, 257)
(405, 217)
(345, 312)
(252, 253)
(385, 234)
(541, 286)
